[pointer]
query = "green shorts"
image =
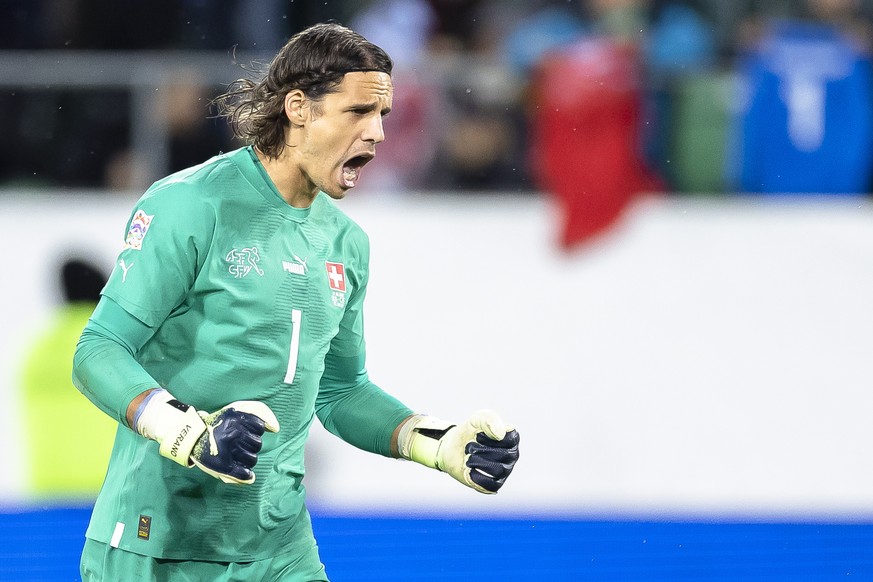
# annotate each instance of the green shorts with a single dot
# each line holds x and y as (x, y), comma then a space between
(102, 563)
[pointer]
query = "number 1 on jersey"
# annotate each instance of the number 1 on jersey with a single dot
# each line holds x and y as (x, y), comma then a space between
(296, 316)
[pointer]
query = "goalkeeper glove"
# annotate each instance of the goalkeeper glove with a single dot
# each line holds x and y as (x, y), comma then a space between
(223, 444)
(480, 453)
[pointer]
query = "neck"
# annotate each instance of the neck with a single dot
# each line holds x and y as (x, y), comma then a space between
(292, 184)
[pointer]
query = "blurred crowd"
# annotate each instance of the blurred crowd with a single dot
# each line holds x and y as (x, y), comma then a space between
(612, 96)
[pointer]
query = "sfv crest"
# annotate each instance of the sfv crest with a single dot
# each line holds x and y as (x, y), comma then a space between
(243, 261)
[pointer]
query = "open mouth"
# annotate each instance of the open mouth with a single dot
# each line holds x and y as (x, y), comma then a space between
(352, 168)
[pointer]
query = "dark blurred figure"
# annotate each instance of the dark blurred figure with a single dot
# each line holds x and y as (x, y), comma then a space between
(81, 281)
(481, 145)
(479, 149)
(457, 24)
(195, 134)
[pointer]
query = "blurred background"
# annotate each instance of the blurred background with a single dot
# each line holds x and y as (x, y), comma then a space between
(641, 230)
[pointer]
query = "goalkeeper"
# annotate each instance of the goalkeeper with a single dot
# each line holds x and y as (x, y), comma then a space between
(233, 317)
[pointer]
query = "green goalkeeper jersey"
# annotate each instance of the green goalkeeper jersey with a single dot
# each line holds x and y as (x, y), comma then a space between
(250, 299)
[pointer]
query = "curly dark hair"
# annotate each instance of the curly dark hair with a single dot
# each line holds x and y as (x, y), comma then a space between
(315, 61)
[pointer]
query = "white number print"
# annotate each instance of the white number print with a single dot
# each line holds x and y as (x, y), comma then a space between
(296, 316)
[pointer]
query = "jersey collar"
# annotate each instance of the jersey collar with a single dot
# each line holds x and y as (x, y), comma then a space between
(254, 171)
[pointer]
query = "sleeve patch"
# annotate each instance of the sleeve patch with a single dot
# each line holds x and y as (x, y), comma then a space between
(139, 226)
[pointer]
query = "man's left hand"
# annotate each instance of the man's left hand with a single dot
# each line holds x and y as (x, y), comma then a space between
(480, 453)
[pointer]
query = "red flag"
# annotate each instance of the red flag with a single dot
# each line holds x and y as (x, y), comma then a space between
(586, 137)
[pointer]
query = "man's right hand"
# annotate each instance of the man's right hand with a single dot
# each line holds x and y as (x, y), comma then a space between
(223, 444)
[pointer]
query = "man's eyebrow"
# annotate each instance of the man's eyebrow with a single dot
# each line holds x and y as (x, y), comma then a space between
(368, 107)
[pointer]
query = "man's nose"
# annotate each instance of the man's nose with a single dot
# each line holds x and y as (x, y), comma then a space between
(374, 131)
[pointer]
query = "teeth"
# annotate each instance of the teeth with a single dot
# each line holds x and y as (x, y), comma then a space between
(350, 176)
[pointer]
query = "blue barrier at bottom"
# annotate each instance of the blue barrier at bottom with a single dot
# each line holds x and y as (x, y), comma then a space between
(44, 544)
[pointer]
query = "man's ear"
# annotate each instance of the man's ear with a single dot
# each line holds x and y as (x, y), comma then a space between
(296, 107)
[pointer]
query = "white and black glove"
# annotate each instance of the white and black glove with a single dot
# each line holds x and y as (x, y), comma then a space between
(224, 443)
(480, 453)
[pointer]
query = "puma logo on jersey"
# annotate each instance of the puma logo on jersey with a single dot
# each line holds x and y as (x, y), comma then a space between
(297, 266)
(125, 268)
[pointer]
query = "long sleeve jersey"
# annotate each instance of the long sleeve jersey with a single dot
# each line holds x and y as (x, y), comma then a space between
(224, 292)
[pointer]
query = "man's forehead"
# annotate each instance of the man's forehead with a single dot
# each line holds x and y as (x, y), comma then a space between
(367, 84)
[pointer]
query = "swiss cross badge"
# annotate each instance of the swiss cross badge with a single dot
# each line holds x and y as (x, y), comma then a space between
(336, 276)
(336, 279)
